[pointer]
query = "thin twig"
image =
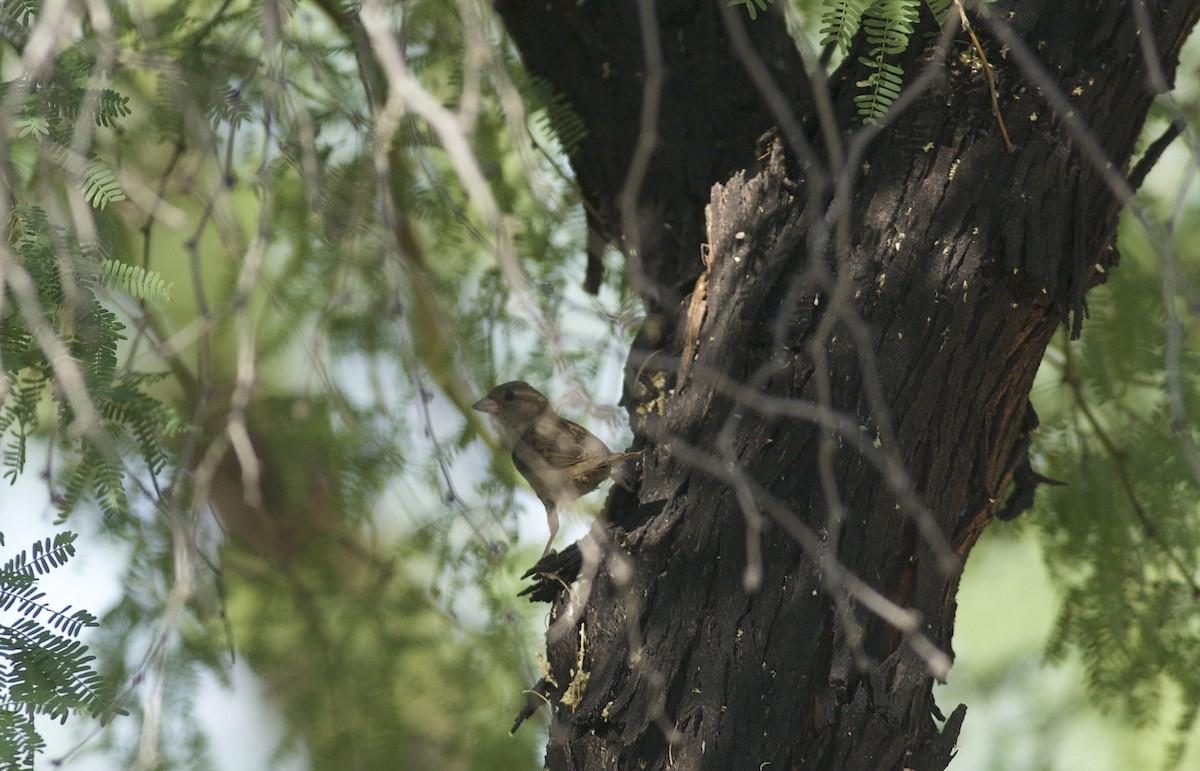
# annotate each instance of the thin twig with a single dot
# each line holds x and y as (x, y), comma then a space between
(639, 162)
(987, 73)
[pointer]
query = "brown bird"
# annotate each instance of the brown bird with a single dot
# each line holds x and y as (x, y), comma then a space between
(561, 460)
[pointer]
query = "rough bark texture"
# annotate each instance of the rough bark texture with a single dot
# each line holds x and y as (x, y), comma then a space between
(962, 262)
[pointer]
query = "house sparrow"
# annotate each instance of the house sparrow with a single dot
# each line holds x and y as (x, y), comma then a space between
(561, 460)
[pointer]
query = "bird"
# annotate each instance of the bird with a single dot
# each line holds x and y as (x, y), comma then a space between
(560, 459)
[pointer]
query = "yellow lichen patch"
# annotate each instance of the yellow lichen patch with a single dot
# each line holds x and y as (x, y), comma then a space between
(658, 381)
(579, 675)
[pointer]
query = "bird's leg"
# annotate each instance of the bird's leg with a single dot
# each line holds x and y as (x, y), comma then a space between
(552, 521)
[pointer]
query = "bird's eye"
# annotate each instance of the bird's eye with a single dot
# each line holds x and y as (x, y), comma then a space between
(508, 396)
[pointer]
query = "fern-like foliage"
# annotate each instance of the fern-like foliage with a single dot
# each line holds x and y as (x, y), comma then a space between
(99, 185)
(97, 182)
(57, 113)
(32, 125)
(110, 106)
(939, 9)
(43, 669)
(1123, 539)
(135, 281)
(881, 88)
(92, 333)
(888, 26)
(47, 109)
(553, 113)
(20, 11)
(753, 7)
(841, 21)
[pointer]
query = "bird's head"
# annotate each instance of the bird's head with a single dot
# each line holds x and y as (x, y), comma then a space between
(515, 404)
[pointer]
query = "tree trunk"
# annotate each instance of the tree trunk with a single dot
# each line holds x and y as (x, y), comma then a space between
(812, 357)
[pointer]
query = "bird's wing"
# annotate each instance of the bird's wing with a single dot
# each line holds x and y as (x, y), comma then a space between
(563, 443)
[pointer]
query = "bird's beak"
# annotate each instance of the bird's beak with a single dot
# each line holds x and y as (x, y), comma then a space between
(487, 405)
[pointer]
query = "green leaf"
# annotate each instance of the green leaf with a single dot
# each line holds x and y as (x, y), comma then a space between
(36, 125)
(135, 281)
(841, 21)
(752, 6)
(99, 185)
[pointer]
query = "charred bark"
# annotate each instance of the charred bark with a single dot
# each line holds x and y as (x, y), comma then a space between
(923, 327)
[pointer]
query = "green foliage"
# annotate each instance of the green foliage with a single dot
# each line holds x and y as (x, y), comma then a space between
(32, 125)
(135, 281)
(19, 12)
(1123, 539)
(43, 670)
(888, 26)
(882, 87)
(445, 680)
(92, 334)
(841, 22)
(99, 185)
(753, 7)
(48, 109)
(374, 311)
(66, 273)
(939, 8)
(554, 113)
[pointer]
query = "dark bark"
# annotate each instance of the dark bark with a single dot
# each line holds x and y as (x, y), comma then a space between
(960, 263)
(710, 117)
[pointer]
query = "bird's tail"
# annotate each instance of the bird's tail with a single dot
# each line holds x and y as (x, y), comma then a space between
(619, 473)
